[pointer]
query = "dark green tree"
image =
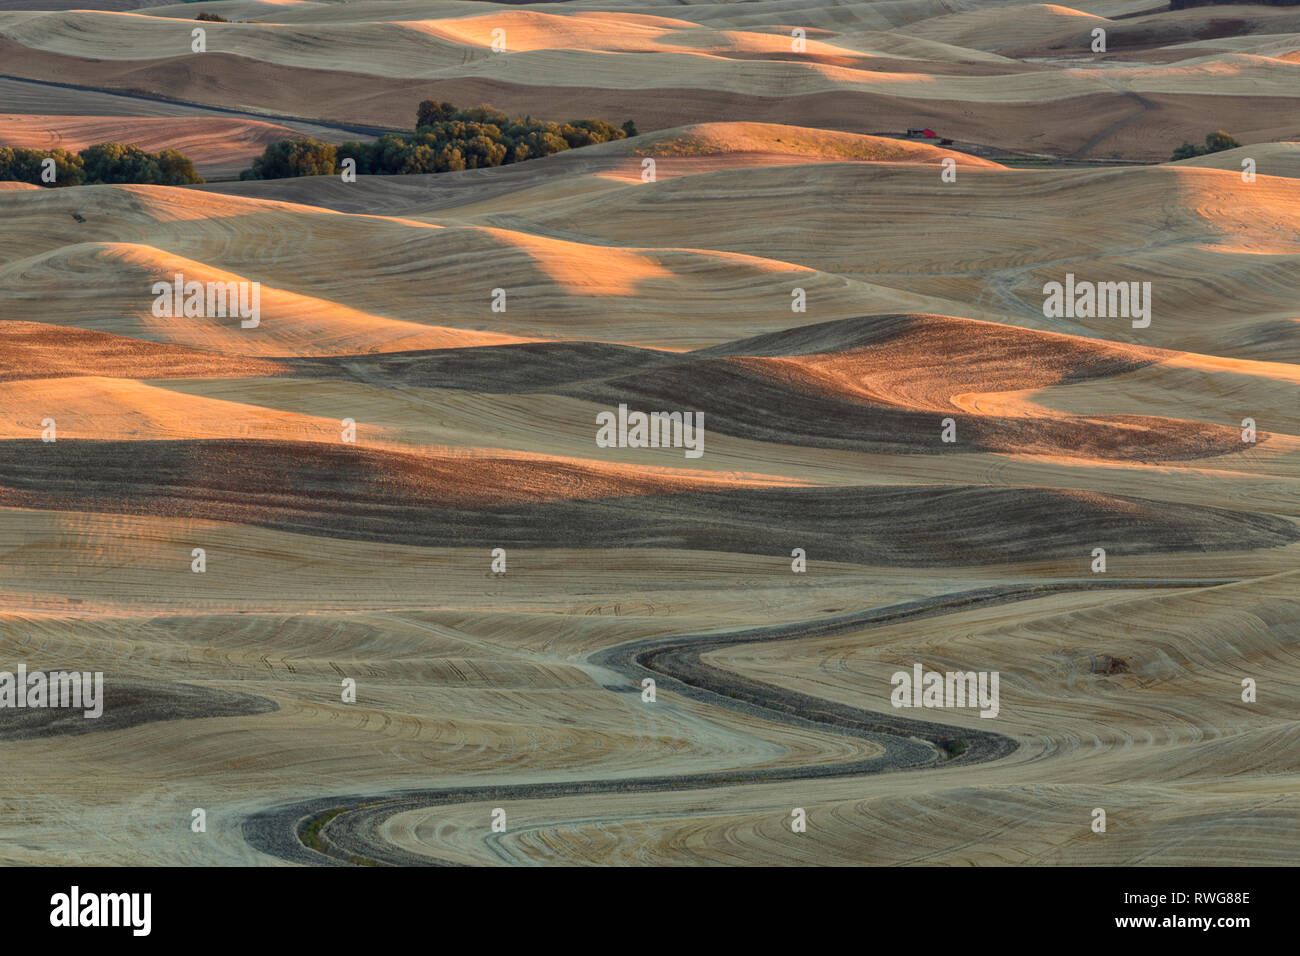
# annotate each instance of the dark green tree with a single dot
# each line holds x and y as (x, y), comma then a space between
(431, 112)
(293, 157)
(445, 139)
(118, 163)
(361, 152)
(176, 167)
(1214, 142)
(113, 163)
(1219, 140)
(18, 164)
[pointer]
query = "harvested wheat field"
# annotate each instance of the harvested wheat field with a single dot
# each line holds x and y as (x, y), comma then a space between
(612, 494)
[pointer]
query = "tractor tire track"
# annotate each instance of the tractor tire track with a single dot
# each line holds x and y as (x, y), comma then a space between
(1142, 101)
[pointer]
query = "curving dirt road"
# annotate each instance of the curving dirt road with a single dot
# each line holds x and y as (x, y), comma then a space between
(344, 829)
(178, 107)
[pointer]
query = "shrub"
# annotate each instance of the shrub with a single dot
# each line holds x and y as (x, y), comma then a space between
(953, 748)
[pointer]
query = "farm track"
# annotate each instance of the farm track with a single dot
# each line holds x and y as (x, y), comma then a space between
(200, 109)
(349, 824)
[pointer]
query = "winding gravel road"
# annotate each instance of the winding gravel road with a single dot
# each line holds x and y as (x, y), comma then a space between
(347, 825)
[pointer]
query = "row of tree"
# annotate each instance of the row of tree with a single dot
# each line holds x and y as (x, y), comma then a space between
(101, 163)
(1215, 142)
(446, 139)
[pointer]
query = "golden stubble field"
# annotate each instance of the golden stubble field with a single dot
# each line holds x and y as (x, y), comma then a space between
(778, 181)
